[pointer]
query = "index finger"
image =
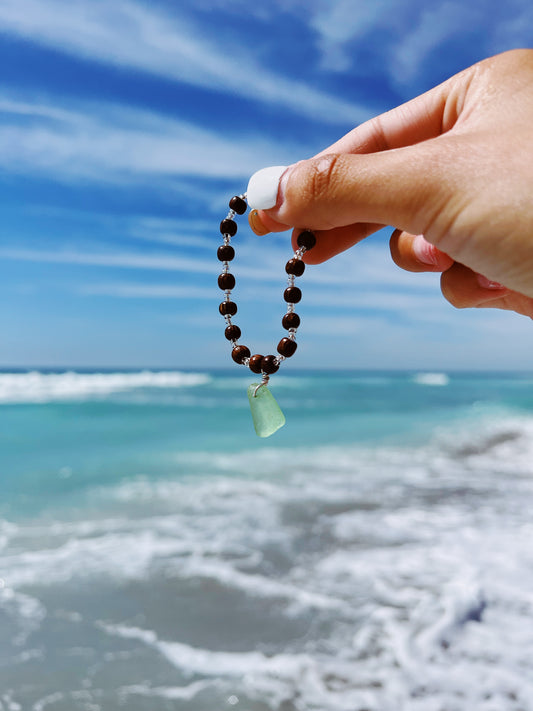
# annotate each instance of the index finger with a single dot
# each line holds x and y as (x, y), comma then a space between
(424, 117)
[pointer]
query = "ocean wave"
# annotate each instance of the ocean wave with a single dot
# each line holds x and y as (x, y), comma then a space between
(434, 379)
(332, 578)
(39, 387)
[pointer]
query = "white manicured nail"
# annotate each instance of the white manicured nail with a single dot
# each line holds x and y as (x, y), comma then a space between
(262, 192)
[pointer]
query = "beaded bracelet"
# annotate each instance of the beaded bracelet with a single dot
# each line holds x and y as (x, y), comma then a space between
(266, 413)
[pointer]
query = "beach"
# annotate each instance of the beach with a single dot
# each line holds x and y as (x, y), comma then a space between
(373, 555)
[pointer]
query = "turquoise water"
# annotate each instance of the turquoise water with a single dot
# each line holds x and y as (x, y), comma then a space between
(155, 554)
(63, 432)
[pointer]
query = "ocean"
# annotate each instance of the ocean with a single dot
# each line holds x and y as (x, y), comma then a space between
(376, 554)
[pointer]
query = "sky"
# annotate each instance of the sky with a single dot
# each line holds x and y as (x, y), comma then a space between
(125, 127)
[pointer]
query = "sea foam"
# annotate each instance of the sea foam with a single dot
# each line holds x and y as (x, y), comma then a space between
(38, 387)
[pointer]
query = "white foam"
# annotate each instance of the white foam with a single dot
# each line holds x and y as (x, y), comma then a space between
(174, 693)
(431, 379)
(209, 663)
(409, 567)
(46, 387)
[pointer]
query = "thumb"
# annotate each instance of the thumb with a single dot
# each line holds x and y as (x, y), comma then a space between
(404, 187)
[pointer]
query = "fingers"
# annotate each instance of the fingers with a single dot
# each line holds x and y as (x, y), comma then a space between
(415, 254)
(464, 288)
(420, 119)
(461, 286)
(417, 121)
(261, 223)
(344, 185)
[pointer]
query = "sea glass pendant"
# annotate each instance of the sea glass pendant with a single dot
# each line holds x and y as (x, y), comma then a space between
(266, 413)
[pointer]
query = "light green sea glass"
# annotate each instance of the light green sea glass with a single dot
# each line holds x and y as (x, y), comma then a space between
(266, 413)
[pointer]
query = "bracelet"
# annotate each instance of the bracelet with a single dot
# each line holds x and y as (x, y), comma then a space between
(266, 414)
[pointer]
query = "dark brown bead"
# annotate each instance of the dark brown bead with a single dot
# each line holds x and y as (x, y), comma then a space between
(255, 363)
(226, 281)
(290, 320)
(225, 253)
(269, 365)
(232, 332)
(228, 308)
(239, 353)
(295, 266)
(228, 227)
(306, 239)
(292, 295)
(238, 205)
(287, 347)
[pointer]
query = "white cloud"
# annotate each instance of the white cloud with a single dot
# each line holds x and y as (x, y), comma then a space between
(129, 34)
(514, 29)
(159, 262)
(107, 142)
(340, 22)
(413, 30)
(124, 290)
(435, 24)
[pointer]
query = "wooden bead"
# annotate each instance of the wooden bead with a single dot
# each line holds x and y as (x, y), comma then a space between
(228, 227)
(228, 308)
(239, 353)
(290, 320)
(292, 295)
(232, 332)
(269, 365)
(255, 363)
(295, 266)
(238, 205)
(226, 281)
(287, 347)
(225, 253)
(306, 239)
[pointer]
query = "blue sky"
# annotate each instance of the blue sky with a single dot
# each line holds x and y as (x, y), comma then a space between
(125, 126)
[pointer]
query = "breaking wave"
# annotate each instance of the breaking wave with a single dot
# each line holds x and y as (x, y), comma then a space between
(39, 387)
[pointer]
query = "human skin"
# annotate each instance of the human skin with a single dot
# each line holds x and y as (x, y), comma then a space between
(454, 165)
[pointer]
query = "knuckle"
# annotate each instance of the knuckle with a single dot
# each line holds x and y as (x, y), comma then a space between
(311, 187)
(324, 174)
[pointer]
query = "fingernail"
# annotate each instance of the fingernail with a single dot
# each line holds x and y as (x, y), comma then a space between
(262, 192)
(424, 251)
(488, 284)
(256, 224)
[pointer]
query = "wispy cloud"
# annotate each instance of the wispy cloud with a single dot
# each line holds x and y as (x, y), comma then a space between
(162, 262)
(124, 290)
(434, 25)
(108, 142)
(411, 31)
(168, 44)
(338, 23)
(365, 267)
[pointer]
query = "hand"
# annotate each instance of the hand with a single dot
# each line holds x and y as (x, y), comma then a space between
(454, 165)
